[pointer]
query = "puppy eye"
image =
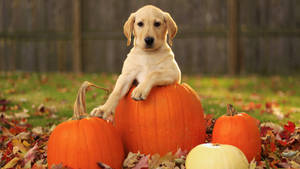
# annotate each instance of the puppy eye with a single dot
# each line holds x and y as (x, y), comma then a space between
(156, 24)
(140, 24)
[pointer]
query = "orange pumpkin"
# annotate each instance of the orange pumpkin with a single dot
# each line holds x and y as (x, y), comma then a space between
(170, 118)
(240, 130)
(83, 142)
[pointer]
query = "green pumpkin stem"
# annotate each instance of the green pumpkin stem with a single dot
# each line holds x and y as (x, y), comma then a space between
(79, 105)
(230, 110)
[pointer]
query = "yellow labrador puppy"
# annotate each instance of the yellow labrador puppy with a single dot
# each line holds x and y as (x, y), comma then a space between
(150, 62)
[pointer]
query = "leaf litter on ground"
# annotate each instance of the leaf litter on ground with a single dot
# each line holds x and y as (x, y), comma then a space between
(22, 146)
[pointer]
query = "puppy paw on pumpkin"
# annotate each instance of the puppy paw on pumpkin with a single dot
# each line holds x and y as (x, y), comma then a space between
(102, 112)
(139, 93)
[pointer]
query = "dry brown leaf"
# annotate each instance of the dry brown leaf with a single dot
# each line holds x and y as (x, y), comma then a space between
(23, 114)
(23, 136)
(11, 163)
(19, 146)
(37, 130)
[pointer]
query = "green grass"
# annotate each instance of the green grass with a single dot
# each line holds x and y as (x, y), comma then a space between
(58, 90)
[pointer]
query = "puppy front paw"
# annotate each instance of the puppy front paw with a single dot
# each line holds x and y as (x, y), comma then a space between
(139, 93)
(102, 112)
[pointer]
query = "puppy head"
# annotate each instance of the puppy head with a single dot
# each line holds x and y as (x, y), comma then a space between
(150, 27)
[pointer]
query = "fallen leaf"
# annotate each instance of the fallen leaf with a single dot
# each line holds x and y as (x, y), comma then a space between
(275, 127)
(143, 163)
(4, 102)
(37, 130)
(23, 135)
(290, 127)
(180, 153)
(23, 114)
(294, 164)
(103, 166)
(289, 153)
(38, 166)
(132, 159)
(11, 163)
(252, 164)
(29, 156)
(17, 143)
(6, 132)
(278, 113)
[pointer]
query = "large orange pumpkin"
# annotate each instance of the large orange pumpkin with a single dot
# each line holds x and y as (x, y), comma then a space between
(170, 118)
(240, 130)
(83, 142)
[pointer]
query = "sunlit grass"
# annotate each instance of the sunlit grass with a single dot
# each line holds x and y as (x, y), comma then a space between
(58, 91)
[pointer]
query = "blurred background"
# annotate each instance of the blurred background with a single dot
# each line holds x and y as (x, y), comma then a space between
(214, 37)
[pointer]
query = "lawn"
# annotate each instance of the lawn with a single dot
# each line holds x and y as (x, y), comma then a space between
(48, 97)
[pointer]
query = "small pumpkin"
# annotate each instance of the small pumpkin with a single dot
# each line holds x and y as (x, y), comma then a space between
(240, 130)
(85, 141)
(170, 118)
(216, 156)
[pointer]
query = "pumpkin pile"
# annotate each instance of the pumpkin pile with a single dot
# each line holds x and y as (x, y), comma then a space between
(170, 120)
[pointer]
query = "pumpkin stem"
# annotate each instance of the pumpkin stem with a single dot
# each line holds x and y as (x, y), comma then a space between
(79, 105)
(230, 110)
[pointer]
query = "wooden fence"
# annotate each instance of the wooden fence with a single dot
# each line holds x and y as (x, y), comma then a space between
(40, 35)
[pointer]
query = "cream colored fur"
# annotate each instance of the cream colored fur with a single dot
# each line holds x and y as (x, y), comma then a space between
(150, 67)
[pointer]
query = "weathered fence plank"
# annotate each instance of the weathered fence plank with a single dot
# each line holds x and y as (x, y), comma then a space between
(77, 36)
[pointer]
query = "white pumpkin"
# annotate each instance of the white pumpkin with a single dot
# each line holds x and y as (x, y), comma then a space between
(216, 156)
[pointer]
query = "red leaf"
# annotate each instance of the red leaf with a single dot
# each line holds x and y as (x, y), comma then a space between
(4, 102)
(290, 127)
(264, 130)
(284, 134)
(272, 146)
(268, 105)
(283, 143)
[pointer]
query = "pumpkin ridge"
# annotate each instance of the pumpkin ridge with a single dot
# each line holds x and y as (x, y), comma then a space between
(76, 142)
(83, 126)
(169, 124)
(160, 124)
(82, 143)
(140, 144)
(66, 135)
(61, 138)
(182, 110)
(110, 153)
(95, 125)
(106, 141)
(157, 145)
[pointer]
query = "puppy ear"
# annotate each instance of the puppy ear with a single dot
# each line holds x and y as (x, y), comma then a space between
(171, 26)
(128, 27)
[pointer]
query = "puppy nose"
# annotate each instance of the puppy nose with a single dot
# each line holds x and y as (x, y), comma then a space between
(149, 40)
